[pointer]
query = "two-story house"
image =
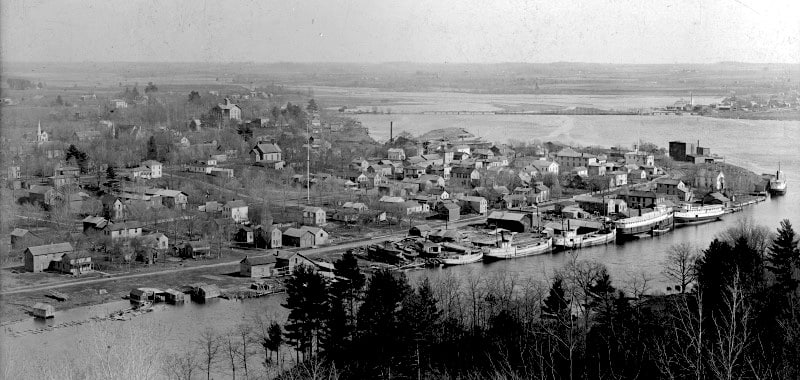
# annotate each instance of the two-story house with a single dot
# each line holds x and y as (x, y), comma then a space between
(314, 216)
(155, 168)
(268, 155)
(236, 210)
(568, 159)
(226, 111)
(121, 230)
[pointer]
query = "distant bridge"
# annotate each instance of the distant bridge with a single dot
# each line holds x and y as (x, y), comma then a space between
(458, 112)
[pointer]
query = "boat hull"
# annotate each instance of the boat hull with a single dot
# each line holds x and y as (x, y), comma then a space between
(583, 241)
(623, 232)
(514, 252)
(697, 219)
(464, 259)
(778, 190)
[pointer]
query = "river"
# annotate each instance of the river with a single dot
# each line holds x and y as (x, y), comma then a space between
(755, 145)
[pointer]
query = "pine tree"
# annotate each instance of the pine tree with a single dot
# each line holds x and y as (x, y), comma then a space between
(306, 300)
(152, 149)
(784, 257)
(274, 339)
(419, 322)
(556, 303)
(110, 173)
(378, 320)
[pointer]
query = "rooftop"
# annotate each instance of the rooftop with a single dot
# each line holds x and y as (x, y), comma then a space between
(50, 249)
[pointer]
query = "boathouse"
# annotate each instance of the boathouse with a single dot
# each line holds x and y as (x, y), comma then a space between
(206, 292)
(43, 310)
(512, 221)
(174, 297)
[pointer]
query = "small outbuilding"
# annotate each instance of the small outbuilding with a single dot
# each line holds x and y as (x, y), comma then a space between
(257, 266)
(195, 249)
(206, 292)
(43, 310)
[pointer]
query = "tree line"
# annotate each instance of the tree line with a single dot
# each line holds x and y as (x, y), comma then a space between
(734, 314)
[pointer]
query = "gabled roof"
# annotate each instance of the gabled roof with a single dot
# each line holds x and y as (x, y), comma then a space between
(451, 206)
(94, 220)
(198, 244)
(259, 260)
(124, 226)
(236, 204)
(313, 209)
(503, 215)
(268, 148)
(19, 232)
(50, 249)
(296, 232)
(668, 181)
(36, 189)
(313, 230)
(169, 193)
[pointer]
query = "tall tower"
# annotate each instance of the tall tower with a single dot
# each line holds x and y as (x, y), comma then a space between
(41, 137)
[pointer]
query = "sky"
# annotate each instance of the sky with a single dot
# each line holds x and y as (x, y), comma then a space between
(438, 31)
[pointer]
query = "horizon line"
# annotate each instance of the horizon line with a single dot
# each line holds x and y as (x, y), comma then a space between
(4, 62)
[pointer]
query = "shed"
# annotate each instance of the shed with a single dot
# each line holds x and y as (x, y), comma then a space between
(245, 234)
(295, 237)
(195, 248)
(206, 292)
(421, 230)
(43, 310)
(22, 238)
(257, 266)
(450, 211)
(512, 221)
(174, 297)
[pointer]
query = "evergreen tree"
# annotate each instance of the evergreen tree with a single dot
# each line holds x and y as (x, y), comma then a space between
(378, 321)
(59, 101)
(312, 106)
(274, 339)
(152, 149)
(419, 322)
(80, 157)
(556, 303)
(784, 258)
(306, 300)
(110, 173)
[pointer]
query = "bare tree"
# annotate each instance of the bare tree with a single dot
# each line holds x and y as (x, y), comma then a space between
(181, 367)
(231, 349)
(683, 353)
(637, 284)
(758, 237)
(679, 266)
(728, 354)
(245, 348)
(210, 346)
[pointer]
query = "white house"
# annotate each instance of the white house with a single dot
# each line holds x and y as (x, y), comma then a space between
(314, 216)
(155, 168)
(236, 210)
(397, 154)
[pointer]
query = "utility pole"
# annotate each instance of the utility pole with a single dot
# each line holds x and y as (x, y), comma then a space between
(308, 166)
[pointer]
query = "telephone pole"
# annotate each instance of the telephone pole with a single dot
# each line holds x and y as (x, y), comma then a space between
(308, 166)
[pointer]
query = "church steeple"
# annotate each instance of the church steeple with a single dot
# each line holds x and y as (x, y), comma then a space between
(41, 137)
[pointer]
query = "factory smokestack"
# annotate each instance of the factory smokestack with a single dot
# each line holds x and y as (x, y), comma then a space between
(391, 135)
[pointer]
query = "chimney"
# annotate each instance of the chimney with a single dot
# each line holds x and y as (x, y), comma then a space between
(391, 134)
